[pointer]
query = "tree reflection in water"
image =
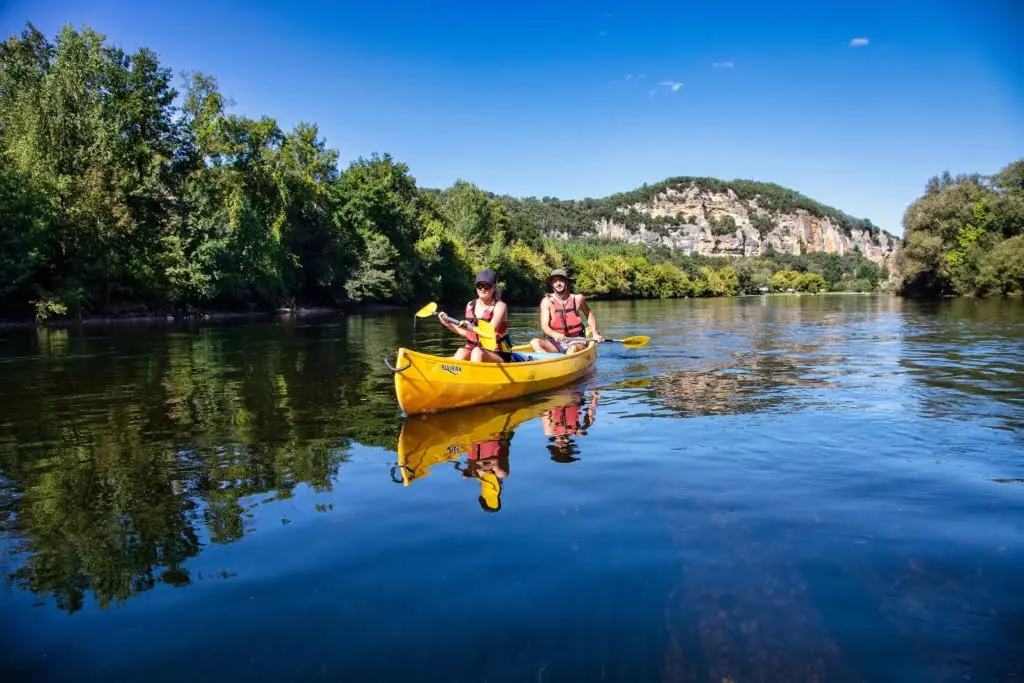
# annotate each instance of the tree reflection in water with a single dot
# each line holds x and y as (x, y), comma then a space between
(131, 452)
(752, 383)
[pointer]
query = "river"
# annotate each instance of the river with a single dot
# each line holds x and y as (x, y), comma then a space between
(798, 488)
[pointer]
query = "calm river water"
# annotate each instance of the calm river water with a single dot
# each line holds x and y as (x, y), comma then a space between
(823, 488)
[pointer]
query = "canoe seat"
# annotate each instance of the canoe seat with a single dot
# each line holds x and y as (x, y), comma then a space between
(533, 355)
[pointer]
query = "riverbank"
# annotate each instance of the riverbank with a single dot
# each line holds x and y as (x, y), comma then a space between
(179, 315)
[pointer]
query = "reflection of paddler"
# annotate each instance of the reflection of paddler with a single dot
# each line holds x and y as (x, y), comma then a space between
(565, 421)
(429, 439)
(488, 461)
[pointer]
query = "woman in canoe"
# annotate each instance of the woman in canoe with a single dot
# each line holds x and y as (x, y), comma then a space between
(486, 306)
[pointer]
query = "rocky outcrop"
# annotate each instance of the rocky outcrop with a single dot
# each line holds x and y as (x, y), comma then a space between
(694, 216)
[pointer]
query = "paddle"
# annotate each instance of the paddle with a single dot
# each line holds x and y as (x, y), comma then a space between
(637, 342)
(484, 330)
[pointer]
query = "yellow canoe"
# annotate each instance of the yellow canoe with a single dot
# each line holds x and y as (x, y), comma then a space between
(427, 440)
(426, 383)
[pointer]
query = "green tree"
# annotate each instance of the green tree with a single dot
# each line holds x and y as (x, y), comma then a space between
(375, 278)
(377, 197)
(952, 229)
(832, 270)
(90, 127)
(474, 218)
(811, 282)
(1001, 270)
(785, 280)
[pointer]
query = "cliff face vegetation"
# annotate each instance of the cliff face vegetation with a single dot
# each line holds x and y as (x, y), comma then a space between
(965, 236)
(712, 217)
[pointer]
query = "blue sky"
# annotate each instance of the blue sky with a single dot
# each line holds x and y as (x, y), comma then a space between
(855, 104)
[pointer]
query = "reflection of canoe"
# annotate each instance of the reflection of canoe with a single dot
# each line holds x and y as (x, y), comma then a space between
(442, 437)
(425, 383)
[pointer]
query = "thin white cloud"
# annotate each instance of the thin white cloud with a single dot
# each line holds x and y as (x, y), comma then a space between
(723, 65)
(629, 77)
(858, 42)
(602, 34)
(672, 85)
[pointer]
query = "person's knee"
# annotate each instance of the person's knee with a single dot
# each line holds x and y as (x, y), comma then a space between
(462, 354)
(543, 346)
(477, 355)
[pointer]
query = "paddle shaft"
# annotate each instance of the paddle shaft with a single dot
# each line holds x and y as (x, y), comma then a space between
(573, 340)
(481, 334)
(629, 342)
(453, 321)
(485, 334)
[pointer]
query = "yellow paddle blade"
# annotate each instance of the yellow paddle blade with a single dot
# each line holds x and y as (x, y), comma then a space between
(488, 337)
(427, 310)
(637, 342)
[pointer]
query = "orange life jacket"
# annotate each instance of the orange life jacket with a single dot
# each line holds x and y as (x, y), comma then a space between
(565, 318)
(471, 336)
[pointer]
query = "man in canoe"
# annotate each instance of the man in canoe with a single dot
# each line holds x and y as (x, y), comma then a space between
(560, 318)
(486, 306)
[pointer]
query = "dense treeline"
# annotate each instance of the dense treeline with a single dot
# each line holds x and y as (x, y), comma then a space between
(965, 236)
(121, 194)
(614, 271)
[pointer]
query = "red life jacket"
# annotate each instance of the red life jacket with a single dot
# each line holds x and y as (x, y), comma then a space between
(565, 318)
(471, 337)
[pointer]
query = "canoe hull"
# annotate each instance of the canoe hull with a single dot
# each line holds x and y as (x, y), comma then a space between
(426, 383)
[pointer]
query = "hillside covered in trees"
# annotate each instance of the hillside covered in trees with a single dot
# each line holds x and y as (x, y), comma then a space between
(577, 217)
(965, 236)
(120, 194)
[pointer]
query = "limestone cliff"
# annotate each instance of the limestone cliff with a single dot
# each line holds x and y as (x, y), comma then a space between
(721, 223)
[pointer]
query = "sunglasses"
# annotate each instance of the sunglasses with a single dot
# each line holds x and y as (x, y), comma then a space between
(484, 286)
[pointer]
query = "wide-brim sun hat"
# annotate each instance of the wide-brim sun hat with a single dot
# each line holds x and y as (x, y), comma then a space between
(558, 272)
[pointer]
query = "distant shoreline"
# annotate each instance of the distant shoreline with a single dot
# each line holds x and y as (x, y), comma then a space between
(177, 316)
(214, 315)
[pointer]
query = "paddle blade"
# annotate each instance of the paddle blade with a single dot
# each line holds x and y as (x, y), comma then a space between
(427, 310)
(488, 337)
(637, 342)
